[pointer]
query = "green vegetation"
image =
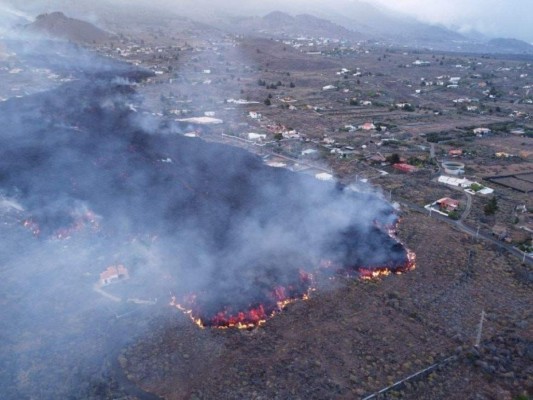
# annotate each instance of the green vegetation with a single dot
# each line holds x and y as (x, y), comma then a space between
(417, 162)
(476, 187)
(394, 158)
(492, 206)
(454, 215)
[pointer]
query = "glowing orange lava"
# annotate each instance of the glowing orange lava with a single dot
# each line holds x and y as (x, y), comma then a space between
(257, 314)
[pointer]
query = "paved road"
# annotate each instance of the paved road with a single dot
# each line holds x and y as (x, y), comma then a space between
(468, 206)
(466, 229)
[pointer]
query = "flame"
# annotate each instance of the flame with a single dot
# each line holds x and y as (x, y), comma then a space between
(367, 273)
(32, 226)
(86, 219)
(256, 315)
(281, 296)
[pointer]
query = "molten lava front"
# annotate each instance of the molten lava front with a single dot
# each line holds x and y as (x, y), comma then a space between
(225, 311)
(234, 313)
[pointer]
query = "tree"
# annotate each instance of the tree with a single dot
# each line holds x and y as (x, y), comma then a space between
(394, 158)
(268, 102)
(454, 215)
(292, 85)
(492, 206)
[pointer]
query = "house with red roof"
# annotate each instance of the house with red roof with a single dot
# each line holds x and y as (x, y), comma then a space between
(112, 274)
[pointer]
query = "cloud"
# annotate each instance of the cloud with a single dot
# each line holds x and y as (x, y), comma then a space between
(510, 18)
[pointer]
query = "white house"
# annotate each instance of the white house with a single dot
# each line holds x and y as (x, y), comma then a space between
(324, 176)
(256, 136)
(481, 131)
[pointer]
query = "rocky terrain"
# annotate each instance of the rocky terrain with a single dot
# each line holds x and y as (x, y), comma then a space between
(57, 25)
(353, 338)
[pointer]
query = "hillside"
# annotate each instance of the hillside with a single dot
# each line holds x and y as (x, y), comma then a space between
(511, 45)
(382, 24)
(281, 24)
(58, 25)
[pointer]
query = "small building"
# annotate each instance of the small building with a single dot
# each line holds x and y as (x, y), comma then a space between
(405, 167)
(256, 136)
(457, 182)
(481, 131)
(447, 204)
(367, 126)
(455, 152)
(309, 152)
(112, 274)
(329, 87)
(324, 176)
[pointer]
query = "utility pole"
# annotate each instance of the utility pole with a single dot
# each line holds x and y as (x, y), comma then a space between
(480, 328)
(469, 263)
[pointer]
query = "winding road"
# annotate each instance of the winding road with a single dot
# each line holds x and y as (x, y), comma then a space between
(466, 229)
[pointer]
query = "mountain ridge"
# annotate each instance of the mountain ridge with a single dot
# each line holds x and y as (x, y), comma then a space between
(58, 25)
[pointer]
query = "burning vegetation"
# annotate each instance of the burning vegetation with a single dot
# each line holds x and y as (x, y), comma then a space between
(61, 225)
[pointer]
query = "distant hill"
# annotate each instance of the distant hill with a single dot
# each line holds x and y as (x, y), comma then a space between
(511, 45)
(58, 25)
(280, 24)
(382, 24)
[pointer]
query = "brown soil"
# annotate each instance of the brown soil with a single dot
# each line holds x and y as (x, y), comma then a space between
(354, 338)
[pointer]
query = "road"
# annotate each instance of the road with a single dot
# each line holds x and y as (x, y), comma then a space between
(459, 224)
(466, 229)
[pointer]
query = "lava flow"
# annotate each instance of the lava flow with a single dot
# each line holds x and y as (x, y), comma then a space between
(245, 316)
(63, 226)
(256, 301)
(380, 272)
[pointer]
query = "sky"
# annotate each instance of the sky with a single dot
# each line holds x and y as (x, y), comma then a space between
(494, 18)
(502, 18)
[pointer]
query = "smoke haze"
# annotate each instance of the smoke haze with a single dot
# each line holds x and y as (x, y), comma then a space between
(493, 18)
(84, 184)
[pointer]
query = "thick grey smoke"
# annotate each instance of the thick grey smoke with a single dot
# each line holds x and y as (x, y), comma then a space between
(94, 188)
